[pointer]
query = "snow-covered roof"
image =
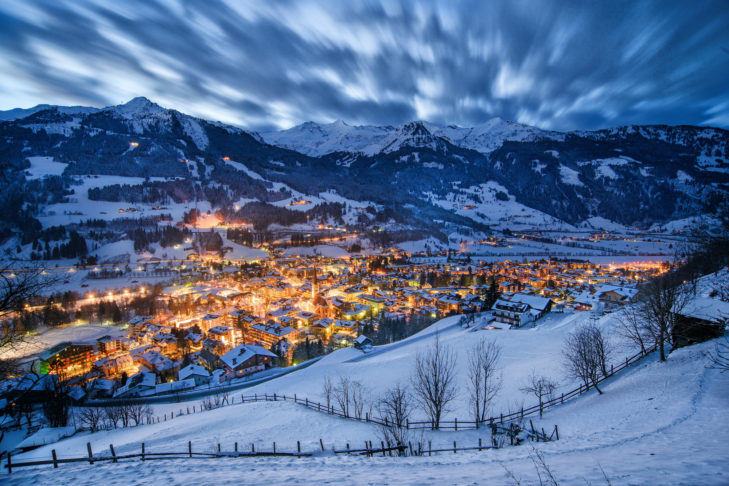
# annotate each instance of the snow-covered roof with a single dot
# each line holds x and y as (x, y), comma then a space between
(533, 301)
(193, 370)
(242, 353)
(174, 386)
(707, 309)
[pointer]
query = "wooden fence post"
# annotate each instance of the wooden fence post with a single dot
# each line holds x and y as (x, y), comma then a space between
(91, 455)
(298, 446)
(321, 443)
(456, 422)
(253, 447)
(429, 448)
(235, 447)
(142, 451)
(113, 454)
(10, 463)
(454, 447)
(274, 448)
(383, 448)
(55, 459)
(218, 446)
(479, 444)
(189, 448)
(556, 431)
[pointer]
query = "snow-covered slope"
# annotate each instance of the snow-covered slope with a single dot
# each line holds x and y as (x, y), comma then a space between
(18, 113)
(666, 419)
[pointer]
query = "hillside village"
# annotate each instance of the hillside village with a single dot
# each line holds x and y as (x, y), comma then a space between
(222, 327)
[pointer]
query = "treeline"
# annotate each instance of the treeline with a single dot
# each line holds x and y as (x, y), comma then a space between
(395, 328)
(75, 247)
(166, 236)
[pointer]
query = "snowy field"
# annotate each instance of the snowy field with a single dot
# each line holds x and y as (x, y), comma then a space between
(668, 419)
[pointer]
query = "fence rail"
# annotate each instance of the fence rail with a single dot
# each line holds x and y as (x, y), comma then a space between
(454, 424)
(369, 450)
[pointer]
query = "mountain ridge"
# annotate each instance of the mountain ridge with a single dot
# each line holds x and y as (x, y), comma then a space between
(419, 174)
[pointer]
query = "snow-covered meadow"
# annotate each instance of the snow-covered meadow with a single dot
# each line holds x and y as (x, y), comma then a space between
(666, 420)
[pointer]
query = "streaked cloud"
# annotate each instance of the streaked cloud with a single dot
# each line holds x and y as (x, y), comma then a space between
(261, 65)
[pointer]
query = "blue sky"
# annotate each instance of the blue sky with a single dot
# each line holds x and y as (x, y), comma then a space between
(267, 65)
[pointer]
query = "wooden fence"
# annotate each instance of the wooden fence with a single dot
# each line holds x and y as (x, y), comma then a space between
(455, 424)
(370, 450)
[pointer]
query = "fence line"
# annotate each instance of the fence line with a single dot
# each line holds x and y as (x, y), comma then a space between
(454, 424)
(370, 450)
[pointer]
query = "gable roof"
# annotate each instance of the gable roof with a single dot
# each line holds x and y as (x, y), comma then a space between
(242, 353)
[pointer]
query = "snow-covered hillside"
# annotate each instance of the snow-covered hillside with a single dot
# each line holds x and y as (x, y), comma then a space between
(654, 418)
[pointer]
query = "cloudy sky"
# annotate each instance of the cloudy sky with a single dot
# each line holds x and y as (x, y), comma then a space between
(555, 64)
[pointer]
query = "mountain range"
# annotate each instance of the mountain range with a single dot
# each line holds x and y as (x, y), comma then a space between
(418, 175)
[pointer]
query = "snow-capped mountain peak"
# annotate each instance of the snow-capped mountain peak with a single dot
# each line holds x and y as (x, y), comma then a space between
(139, 107)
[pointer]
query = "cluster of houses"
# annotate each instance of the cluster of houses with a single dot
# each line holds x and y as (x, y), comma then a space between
(240, 322)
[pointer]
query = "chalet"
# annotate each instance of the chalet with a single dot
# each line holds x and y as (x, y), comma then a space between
(246, 359)
(194, 372)
(158, 363)
(539, 305)
(322, 327)
(272, 333)
(363, 342)
(512, 313)
(614, 297)
(701, 319)
(345, 327)
(139, 385)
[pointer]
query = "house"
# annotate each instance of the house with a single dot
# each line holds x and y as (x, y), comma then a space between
(139, 385)
(271, 334)
(614, 297)
(322, 327)
(196, 373)
(703, 318)
(363, 342)
(540, 305)
(512, 313)
(246, 359)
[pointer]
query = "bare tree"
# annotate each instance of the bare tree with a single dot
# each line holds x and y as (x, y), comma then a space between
(433, 380)
(139, 412)
(395, 407)
(633, 326)
(541, 387)
(659, 306)
(91, 418)
(358, 393)
(483, 377)
(328, 390)
(586, 353)
(342, 393)
(113, 415)
(720, 356)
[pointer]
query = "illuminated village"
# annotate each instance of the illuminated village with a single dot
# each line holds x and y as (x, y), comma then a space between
(222, 321)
